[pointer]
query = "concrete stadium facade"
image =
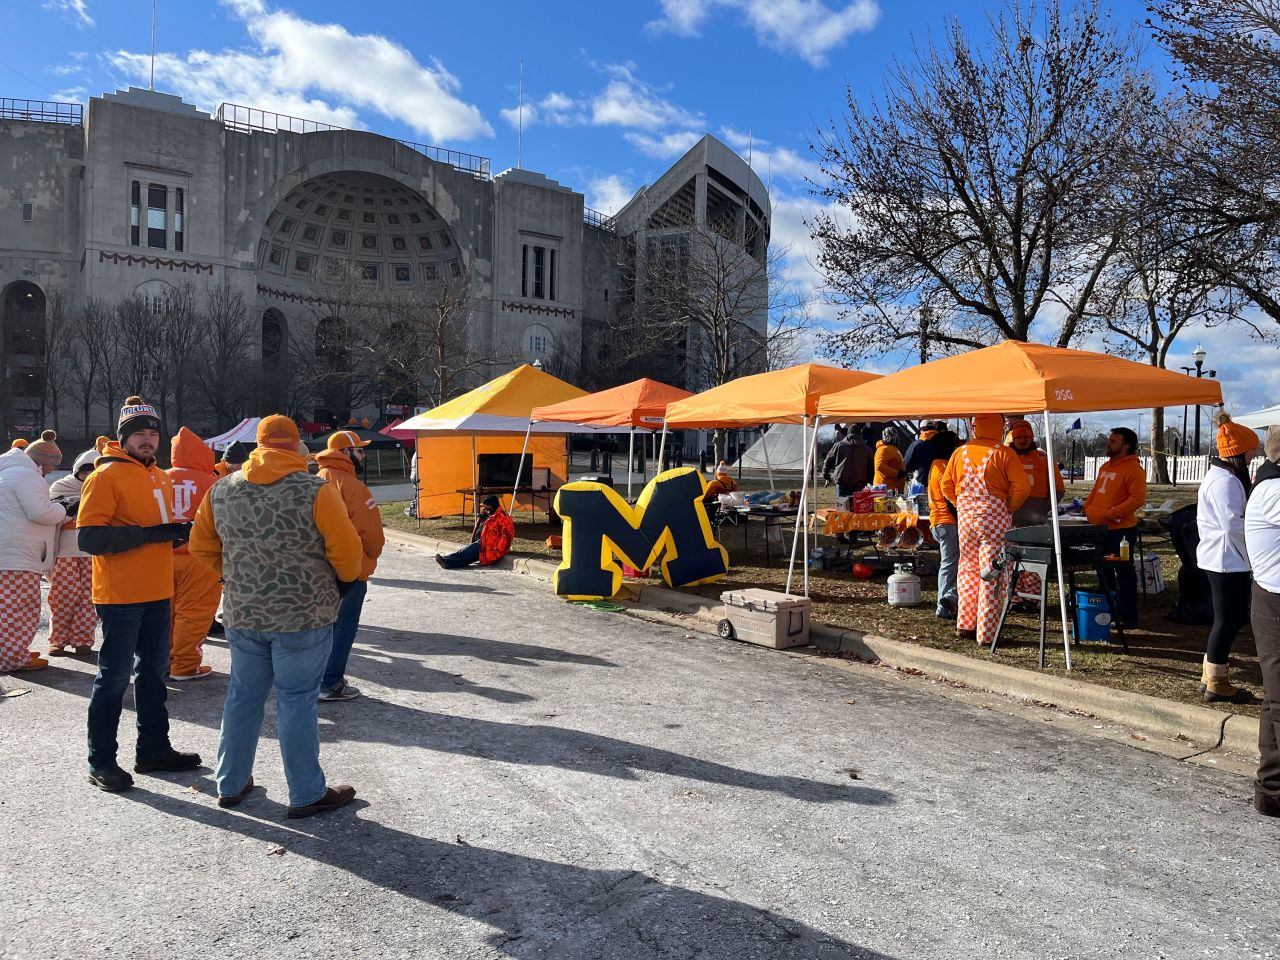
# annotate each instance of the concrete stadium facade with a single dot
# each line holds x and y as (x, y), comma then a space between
(140, 192)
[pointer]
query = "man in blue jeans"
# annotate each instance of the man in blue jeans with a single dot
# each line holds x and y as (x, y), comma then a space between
(125, 523)
(285, 549)
(338, 465)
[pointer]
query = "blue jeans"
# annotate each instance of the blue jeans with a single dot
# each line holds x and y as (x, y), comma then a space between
(463, 558)
(948, 537)
(344, 633)
(292, 663)
(135, 642)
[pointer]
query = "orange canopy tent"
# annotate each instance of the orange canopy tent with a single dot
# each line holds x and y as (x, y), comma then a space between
(789, 395)
(780, 396)
(1017, 377)
(641, 403)
(495, 415)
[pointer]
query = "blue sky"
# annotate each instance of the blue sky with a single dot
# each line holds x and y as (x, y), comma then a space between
(615, 90)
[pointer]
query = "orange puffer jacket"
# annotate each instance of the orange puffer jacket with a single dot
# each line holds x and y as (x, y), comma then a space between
(495, 538)
(336, 467)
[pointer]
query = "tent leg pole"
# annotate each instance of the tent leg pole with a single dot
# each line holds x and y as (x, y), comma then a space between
(764, 444)
(662, 446)
(631, 460)
(520, 464)
(475, 479)
(1057, 539)
(795, 537)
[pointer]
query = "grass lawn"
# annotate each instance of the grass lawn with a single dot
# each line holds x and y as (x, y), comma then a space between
(1164, 660)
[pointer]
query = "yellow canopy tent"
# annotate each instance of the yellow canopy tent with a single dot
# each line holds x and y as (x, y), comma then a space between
(789, 395)
(495, 416)
(1016, 377)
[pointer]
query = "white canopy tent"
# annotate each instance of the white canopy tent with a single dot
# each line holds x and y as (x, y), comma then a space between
(246, 430)
(1260, 419)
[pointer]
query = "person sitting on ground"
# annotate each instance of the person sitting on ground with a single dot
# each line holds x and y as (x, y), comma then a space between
(73, 618)
(891, 472)
(1222, 555)
(490, 539)
(723, 483)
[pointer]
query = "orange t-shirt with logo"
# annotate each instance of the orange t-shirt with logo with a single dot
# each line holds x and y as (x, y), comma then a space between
(1036, 464)
(124, 492)
(1118, 493)
(192, 474)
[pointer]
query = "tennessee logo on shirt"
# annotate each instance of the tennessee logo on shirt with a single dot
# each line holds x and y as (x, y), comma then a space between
(183, 493)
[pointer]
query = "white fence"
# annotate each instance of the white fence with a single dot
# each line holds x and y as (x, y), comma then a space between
(1189, 470)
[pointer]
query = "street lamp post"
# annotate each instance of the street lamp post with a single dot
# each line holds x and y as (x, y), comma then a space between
(1182, 441)
(1198, 357)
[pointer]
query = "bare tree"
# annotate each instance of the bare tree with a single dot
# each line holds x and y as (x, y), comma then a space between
(1225, 142)
(225, 378)
(175, 341)
(91, 329)
(980, 186)
(60, 342)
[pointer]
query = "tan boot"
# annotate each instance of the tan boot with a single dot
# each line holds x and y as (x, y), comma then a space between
(1218, 689)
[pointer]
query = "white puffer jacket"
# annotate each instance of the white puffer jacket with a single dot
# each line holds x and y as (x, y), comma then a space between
(67, 486)
(29, 521)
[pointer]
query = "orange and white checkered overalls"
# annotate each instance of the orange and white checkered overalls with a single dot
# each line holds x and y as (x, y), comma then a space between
(982, 519)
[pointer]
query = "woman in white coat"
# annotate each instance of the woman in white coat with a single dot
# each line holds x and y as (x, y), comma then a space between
(1222, 554)
(71, 607)
(29, 523)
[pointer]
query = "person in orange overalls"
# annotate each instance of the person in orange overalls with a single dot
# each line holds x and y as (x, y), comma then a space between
(986, 482)
(1035, 510)
(72, 617)
(196, 589)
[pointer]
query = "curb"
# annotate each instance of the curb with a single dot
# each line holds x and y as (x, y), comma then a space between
(1238, 732)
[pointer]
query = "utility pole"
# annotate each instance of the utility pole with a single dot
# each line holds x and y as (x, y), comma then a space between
(520, 122)
(153, 45)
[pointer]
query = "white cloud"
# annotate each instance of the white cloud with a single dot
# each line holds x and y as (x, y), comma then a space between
(556, 109)
(608, 194)
(742, 141)
(317, 71)
(72, 95)
(665, 147)
(77, 11)
(628, 101)
(809, 29)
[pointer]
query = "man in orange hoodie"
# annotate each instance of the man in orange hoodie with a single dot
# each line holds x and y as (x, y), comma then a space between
(1118, 493)
(986, 482)
(338, 465)
(281, 542)
(126, 523)
(196, 589)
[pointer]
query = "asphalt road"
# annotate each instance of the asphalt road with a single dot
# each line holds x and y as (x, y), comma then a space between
(541, 780)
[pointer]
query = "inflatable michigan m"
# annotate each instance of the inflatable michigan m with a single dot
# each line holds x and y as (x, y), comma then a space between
(668, 523)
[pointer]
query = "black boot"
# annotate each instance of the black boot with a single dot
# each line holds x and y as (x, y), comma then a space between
(1265, 803)
(110, 779)
(169, 762)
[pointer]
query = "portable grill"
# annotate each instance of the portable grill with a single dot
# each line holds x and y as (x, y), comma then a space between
(1083, 544)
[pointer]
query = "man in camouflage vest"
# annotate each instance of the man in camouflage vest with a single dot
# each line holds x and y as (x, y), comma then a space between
(281, 541)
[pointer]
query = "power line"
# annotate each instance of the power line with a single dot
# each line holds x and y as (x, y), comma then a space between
(19, 73)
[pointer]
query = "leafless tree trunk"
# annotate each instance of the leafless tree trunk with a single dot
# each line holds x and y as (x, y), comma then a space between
(226, 377)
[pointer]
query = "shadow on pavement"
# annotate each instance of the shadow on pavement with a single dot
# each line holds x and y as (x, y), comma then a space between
(412, 674)
(539, 908)
(494, 651)
(541, 745)
(434, 587)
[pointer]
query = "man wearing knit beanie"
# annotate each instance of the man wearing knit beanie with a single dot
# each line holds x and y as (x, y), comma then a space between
(1222, 554)
(126, 523)
(29, 523)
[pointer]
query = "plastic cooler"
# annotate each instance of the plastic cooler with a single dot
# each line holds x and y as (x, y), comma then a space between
(765, 617)
(1093, 619)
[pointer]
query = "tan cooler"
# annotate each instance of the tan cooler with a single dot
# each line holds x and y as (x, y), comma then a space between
(765, 617)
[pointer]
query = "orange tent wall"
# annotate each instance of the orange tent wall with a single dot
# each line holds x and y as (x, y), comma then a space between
(445, 466)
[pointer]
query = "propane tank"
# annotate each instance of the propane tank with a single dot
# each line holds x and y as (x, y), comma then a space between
(904, 587)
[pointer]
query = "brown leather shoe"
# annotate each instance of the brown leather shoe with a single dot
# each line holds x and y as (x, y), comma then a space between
(1265, 803)
(233, 799)
(333, 798)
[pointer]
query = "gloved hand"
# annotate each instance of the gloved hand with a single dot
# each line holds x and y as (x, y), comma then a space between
(70, 504)
(344, 587)
(180, 533)
(175, 533)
